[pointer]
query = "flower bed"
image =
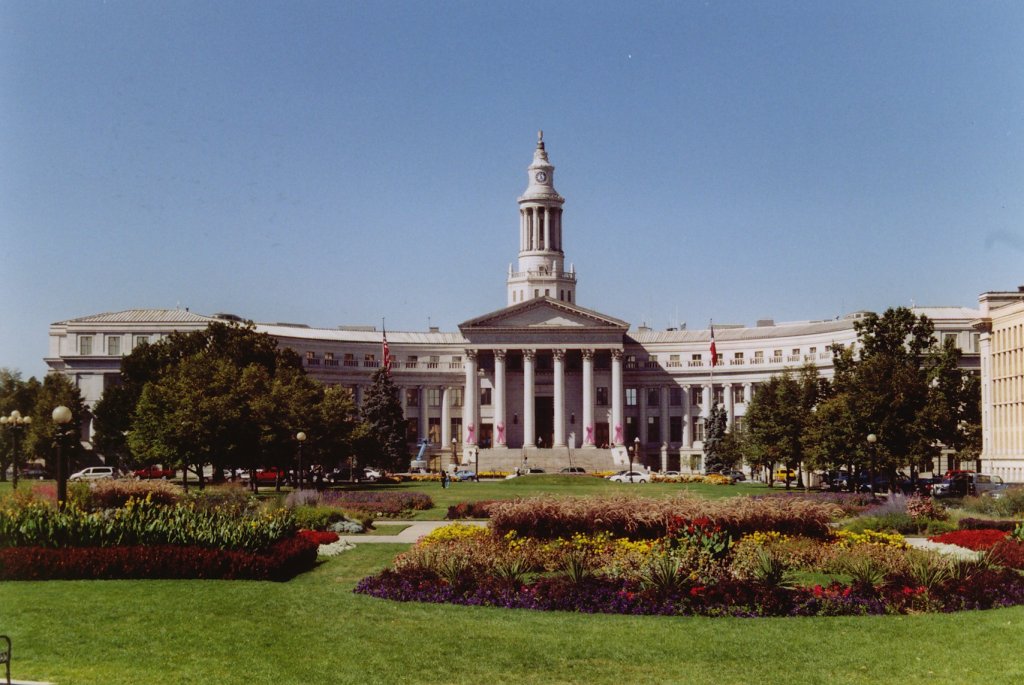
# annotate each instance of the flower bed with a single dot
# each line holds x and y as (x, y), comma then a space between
(979, 540)
(384, 503)
(729, 559)
(728, 598)
(640, 518)
(281, 561)
(34, 523)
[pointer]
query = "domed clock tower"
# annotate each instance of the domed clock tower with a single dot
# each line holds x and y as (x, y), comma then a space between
(541, 270)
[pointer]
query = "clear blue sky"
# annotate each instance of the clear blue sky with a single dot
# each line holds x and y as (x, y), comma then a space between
(339, 162)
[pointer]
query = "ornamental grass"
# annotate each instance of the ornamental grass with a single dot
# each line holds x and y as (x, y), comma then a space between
(648, 519)
(29, 522)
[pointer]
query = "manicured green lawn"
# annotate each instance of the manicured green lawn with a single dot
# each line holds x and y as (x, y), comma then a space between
(387, 528)
(314, 630)
(531, 486)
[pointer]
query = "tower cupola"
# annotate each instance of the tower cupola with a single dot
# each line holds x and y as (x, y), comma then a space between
(541, 271)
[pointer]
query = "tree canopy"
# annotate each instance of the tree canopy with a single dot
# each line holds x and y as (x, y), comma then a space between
(225, 397)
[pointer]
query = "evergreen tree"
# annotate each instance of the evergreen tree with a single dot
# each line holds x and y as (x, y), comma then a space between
(713, 438)
(385, 444)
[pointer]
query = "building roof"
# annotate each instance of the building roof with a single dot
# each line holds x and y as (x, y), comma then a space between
(783, 330)
(144, 316)
(334, 334)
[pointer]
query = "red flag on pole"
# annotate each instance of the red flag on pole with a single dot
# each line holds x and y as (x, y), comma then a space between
(714, 352)
(385, 352)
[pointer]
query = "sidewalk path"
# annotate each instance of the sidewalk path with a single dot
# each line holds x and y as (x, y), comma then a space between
(414, 532)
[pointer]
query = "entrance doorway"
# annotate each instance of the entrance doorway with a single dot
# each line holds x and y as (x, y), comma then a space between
(544, 415)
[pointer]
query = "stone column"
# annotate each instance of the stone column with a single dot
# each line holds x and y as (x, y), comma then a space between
(547, 228)
(730, 410)
(663, 422)
(499, 399)
(359, 395)
(616, 430)
(529, 434)
(588, 399)
(470, 400)
(641, 405)
(706, 400)
(687, 432)
(748, 393)
(424, 428)
(446, 417)
(559, 383)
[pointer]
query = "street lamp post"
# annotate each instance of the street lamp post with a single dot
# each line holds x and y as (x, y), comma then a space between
(440, 463)
(61, 416)
(636, 456)
(872, 439)
(301, 437)
(17, 423)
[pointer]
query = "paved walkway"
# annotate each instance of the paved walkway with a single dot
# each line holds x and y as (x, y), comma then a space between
(414, 532)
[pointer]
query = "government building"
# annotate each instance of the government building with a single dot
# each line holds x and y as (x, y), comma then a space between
(547, 382)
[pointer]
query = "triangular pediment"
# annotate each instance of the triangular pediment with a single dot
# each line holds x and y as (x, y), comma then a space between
(543, 313)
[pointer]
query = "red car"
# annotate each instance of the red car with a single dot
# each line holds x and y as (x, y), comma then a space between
(154, 473)
(271, 476)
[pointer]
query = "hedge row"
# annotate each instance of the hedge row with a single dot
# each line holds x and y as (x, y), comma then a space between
(281, 561)
(639, 518)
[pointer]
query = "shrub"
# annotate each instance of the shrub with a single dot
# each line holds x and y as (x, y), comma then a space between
(379, 502)
(986, 524)
(925, 508)
(1009, 553)
(470, 510)
(113, 494)
(346, 527)
(891, 522)
(317, 518)
(646, 519)
(1010, 504)
(281, 561)
(31, 523)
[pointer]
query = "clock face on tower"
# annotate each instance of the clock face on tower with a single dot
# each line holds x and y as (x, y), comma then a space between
(541, 176)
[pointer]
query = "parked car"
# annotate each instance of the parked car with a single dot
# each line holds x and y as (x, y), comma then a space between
(573, 469)
(630, 477)
(736, 474)
(271, 476)
(371, 474)
(970, 483)
(533, 470)
(153, 472)
(94, 473)
(465, 475)
(33, 472)
(785, 474)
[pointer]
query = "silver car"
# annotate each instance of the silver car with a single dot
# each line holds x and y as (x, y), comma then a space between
(94, 473)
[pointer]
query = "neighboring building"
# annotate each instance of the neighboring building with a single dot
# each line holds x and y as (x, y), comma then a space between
(1001, 325)
(542, 379)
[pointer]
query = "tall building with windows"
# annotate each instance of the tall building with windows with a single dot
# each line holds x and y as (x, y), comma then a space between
(544, 378)
(1001, 328)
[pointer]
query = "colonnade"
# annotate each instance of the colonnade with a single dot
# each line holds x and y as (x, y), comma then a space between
(471, 406)
(540, 228)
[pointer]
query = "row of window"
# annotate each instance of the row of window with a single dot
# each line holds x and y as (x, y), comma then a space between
(675, 396)
(114, 348)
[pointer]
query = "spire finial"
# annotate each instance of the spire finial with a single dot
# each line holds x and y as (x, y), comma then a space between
(540, 136)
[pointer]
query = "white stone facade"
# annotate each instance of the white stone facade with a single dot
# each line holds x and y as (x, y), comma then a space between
(542, 368)
(1001, 326)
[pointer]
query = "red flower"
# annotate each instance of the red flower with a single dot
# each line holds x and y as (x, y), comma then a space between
(696, 590)
(818, 591)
